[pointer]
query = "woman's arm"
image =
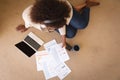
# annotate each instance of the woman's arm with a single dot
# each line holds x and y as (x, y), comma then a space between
(63, 40)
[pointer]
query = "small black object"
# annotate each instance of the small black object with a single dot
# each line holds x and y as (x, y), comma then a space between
(76, 48)
(68, 47)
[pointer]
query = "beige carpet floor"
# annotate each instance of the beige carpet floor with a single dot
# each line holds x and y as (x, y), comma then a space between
(99, 55)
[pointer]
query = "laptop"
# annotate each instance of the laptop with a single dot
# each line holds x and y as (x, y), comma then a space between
(30, 44)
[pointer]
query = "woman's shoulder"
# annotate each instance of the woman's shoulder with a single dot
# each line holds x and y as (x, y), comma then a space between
(27, 10)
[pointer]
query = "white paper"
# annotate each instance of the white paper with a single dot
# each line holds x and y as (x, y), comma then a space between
(39, 59)
(49, 44)
(54, 53)
(60, 54)
(49, 66)
(62, 70)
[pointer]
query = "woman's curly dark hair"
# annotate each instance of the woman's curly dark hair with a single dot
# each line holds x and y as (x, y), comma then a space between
(55, 11)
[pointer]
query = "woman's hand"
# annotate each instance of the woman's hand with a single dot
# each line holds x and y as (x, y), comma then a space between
(63, 41)
(21, 28)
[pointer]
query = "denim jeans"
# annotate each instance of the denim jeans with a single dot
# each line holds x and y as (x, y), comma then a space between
(78, 21)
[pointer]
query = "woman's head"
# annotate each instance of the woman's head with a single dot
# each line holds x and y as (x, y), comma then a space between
(52, 13)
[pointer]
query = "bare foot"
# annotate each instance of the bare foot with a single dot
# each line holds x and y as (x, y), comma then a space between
(91, 3)
(80, 6)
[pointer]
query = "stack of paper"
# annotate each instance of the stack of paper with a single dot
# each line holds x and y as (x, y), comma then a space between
(51, 60)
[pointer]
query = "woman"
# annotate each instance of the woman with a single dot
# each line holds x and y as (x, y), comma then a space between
(57, 15)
